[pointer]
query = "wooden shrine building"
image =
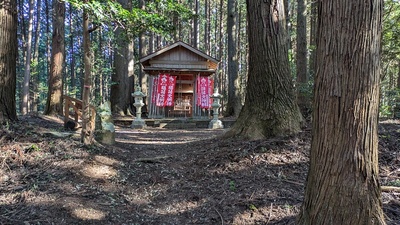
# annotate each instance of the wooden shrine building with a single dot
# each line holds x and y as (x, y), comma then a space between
(180, 81)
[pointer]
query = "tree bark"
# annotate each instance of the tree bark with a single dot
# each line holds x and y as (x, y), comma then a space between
(28, 57)
(72, 53)
(35, 56)
(398, 75)
(143, 51)
(234, 104)
(55, 82)
(343, 178)
(301, 57)
(313, 36)
(8, 60)
(124, 71)
(270, 108)
(87, 128)
(195, 30)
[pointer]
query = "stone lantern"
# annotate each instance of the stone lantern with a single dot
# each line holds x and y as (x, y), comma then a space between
(215, 123)
(138, 122)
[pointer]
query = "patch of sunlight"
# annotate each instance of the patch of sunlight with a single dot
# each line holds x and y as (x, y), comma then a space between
(149, 142)
(98, 171)
(88, 213)
(105, 160)
(249, 217)
(179, 207)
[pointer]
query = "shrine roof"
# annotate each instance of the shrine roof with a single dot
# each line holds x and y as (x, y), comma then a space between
(179, 57)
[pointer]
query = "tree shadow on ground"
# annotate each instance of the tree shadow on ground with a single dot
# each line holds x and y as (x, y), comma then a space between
(156, 176)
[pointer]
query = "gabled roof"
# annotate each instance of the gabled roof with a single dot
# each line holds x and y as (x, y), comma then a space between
(179, 57)
(174, 45)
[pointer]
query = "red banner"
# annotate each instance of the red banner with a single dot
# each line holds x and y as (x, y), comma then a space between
(162, 89)
(198, 93)
(204, 90)
(169, 101)
(210, 90)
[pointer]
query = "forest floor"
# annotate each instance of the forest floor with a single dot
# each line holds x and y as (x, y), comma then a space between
(163, 176)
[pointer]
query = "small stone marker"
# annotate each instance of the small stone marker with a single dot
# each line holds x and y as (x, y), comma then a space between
(107, 133)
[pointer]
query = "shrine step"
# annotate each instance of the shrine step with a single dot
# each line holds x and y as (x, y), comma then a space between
(175, 125)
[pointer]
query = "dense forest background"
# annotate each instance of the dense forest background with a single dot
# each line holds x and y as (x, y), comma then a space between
(216, 27)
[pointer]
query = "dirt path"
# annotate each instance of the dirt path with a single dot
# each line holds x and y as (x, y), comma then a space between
(161, 176)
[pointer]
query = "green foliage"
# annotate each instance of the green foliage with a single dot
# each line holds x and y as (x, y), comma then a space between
(391, 31)
(33, 148)
(395, 183)
(232, 185)
(253, 207)
(157, 17)
(390, 95)
(390, 103)
(306, 89)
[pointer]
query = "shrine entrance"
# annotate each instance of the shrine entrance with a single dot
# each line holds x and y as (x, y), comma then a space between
(180, 82)
(183, 96)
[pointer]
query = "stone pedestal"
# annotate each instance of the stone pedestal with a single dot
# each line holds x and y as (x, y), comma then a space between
(105, 137)
(107, 133)
(215, 123)
(138, 122)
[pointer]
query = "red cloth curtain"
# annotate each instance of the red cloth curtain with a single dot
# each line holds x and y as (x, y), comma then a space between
(204, 90)
(169, 101)
(163, 90)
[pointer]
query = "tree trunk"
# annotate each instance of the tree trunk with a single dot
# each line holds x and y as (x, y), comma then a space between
(124, 70)
(72, 53)
(301, 57)
(8, 60)
(143, 51)
(343, 178)
(398, 76)
(270, 108)
(28, 57)
(206, 28)
(48, 32)
(313, 37)
(54, 96)
(87, 127)
(195, 30)
(35, 70)
(234, 104)
(219, 80)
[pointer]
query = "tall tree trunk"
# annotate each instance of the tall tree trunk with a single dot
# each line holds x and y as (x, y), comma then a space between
(55, 82)
(207, 27)
(48, 33)
(87, 127)
(35, 70)
(287, 22)
(195, 30)
(28, 57)
(219, 78)
(270, 108)
(8, 60)
(313, 37)
(343, 177)
(72, 53)
(301, 57)
(99, 65)
(243, 49)
(143, 51)
(234, 104)
(398, 76)
(22, 36)
(124, 70)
